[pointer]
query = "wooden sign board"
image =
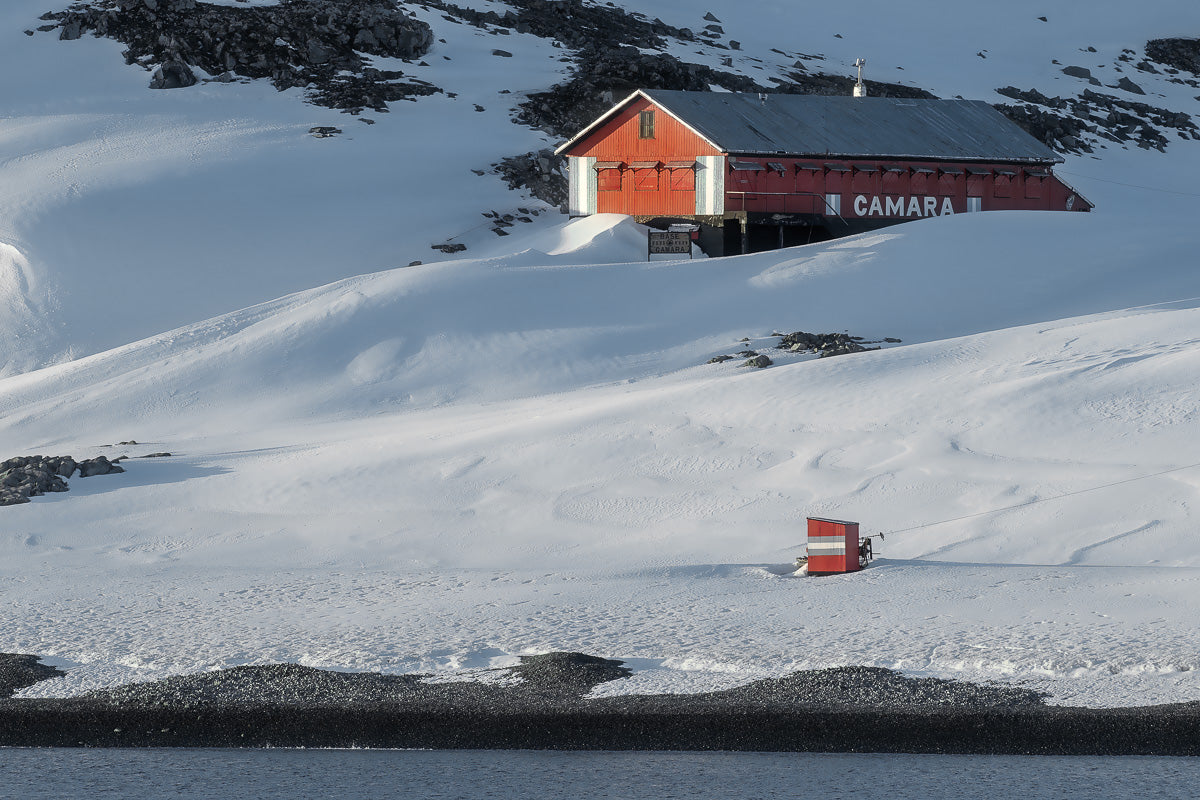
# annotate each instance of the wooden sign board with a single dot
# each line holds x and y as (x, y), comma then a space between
(672, 242)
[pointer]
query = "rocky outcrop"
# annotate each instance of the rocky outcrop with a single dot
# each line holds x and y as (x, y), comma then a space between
(173, 75)
(824, 344)
(1179, 53)
(541, 172)
(1077, 124)
(307, 43)
(24, 477)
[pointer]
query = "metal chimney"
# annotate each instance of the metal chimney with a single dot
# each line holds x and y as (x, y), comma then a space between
(860, 89)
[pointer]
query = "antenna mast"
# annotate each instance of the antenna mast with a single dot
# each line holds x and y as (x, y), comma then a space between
(860, 89)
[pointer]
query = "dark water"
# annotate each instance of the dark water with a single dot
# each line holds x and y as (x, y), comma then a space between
(352, 774)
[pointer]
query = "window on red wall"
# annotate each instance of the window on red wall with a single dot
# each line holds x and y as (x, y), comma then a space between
(948, 180)
(609, 180)
(975, 180)
(863, 180)
(645, 180)
(919, 182)
(646, 125)
(1033, 184)
(892, 180)
(1002, 186)
(683, 179)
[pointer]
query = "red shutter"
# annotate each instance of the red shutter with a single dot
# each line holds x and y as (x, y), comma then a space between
(645, 180)
(683, 180)
(609, 180)
(1002, 187)
(1033, 186)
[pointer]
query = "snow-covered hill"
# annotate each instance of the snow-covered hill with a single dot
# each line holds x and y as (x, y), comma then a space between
(523, 447)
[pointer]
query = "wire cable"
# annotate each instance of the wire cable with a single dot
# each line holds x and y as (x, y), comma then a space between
(1040, 500)
(1129, 185)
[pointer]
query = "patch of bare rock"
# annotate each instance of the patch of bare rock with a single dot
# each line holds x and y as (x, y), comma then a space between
(321, 45)
(24, 477)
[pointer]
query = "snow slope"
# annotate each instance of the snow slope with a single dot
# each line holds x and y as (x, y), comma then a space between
(441, 466)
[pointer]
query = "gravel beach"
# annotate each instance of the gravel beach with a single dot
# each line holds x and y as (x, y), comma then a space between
(542, 704)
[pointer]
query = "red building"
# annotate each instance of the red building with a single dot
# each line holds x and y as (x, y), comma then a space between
(758, 171)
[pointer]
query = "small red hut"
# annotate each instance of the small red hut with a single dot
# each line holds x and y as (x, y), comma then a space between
(758, 171)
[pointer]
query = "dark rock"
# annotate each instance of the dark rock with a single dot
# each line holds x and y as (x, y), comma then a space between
(759, 362)
(1180, 53)
(98, 466)
(711, 17)
(324, 131)
(720, 359)
(540, 172)
(24, 477)
(1076, 124)
(317, 44)
(173, 75)
(825, 344)
(454, 247)
(155, 455)
(12, 497)
(18, 671)
(1077, 72)
(502, 53)
(1129, 86)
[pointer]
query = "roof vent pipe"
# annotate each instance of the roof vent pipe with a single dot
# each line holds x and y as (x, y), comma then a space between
(860, 89)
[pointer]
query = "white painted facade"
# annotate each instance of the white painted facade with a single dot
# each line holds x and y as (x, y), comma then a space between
(581, 175)
(710, 185)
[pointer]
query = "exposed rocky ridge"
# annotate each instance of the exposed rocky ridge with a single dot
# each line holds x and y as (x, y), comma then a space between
(1078, 124)
(1081, 123)
(826, 344)
(1179, 53)
(823, 345)
(317, 43)
(18, 671)
(24, 477)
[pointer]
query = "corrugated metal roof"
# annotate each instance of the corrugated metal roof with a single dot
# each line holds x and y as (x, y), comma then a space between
(853, 127)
